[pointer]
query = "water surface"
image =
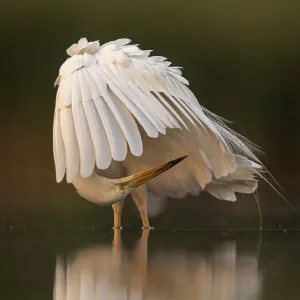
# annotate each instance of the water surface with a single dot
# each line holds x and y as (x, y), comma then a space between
(150, 265)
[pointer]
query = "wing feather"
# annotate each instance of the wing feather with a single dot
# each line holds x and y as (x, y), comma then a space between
(115, 136)
(58, 148)
(154, 110)
(132, 102)
(95, 76)
(134, 91)
(99, 138)
(162, 85)
(64, 97)
(87, 156)
(115, 82)
(70, 142)
(162, 111)
(107, 93)
(127, 123)
(166, 103)
(143, 89)
(221, 192)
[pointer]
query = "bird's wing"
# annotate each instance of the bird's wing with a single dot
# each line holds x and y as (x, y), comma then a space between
(106, 93)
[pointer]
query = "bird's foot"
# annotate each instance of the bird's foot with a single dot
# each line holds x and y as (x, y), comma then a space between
(117, 227)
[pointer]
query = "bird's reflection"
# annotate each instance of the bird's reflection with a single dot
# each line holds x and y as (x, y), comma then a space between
(104, 273)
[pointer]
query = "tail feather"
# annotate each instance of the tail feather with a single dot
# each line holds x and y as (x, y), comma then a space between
(243, 180)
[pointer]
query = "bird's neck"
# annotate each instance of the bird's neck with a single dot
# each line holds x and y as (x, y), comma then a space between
(97, 189)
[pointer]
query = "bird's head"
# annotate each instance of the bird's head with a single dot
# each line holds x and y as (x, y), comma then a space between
(106, 191)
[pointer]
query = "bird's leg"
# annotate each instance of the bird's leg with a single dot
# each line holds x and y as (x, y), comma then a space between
(139, 197)
(117, 243)
(117, 208)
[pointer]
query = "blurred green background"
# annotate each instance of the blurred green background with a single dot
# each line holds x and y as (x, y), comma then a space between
(241, 58)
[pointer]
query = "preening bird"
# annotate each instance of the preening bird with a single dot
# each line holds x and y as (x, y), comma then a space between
(122, 117)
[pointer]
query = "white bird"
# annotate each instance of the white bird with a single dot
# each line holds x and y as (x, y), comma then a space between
(120, 111)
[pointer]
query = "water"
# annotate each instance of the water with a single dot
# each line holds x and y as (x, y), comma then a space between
(158, 265)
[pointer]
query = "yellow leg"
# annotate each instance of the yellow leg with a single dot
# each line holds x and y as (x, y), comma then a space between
(139, 197)
(117, 241)
(117, 208)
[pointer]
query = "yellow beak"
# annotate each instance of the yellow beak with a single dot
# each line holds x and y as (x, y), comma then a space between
(134, 181)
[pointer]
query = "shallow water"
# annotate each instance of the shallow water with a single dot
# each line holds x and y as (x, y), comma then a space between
(150, 265)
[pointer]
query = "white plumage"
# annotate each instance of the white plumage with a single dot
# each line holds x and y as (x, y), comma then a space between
(122, 111)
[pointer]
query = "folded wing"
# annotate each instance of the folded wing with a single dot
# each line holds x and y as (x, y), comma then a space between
(107, 94)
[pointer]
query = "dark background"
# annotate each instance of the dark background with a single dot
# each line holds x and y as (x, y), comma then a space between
(241, 58)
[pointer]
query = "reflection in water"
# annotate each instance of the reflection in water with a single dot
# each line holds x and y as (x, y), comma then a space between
(104, 273)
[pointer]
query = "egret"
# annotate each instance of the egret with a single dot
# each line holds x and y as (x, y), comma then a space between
(122, 117)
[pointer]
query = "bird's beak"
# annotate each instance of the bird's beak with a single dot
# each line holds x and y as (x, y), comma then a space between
(134, 181)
